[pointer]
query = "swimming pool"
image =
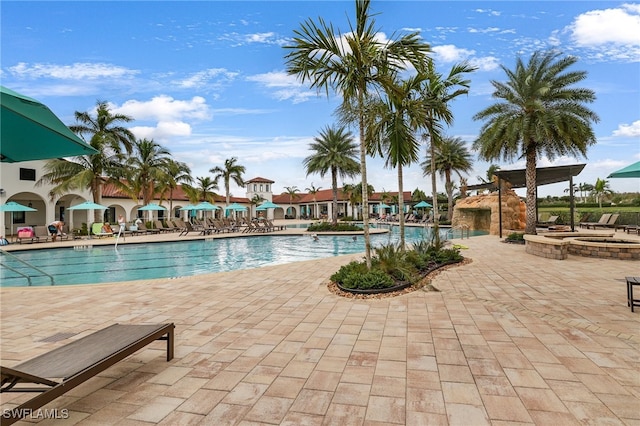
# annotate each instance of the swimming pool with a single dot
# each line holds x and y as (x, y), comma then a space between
(129, 262)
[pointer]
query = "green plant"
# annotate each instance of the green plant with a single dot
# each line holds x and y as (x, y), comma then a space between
(329, 227)
(373, 279)
(392, 260)
(515, 236)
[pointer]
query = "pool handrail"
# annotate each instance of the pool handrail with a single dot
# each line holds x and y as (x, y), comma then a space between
(12, 256)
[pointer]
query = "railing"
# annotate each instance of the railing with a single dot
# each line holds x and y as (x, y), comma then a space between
(462, 228)
(28, 277)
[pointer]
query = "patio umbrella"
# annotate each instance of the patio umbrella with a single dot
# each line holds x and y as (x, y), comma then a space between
(205, 206)
(267, 205)
(88, 205)
(234, 207)
(30, 131)
(151, 207)
(12, 206)
(632, 171)
(422, 204)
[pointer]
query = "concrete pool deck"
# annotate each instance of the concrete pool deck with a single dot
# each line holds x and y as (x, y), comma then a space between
(510, 338)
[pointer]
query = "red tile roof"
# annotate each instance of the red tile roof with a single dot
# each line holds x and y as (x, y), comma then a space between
(259, 180)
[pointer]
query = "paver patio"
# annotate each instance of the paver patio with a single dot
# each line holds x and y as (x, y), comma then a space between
(510, 339)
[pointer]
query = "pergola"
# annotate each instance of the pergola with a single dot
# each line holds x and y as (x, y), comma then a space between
(544, 176)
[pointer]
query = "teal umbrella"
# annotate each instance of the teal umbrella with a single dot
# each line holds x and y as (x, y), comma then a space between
(151, 207)
(206, 206)
(632, 171)
(30, 131)
(422, 204)
(12, 206)
(384, 206)
(235, 207)
(88, 205)
(267, 205)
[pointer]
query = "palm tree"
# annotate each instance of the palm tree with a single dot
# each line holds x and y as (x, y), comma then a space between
(452, 155)
(291, 191)
(437, 94)
(204, 190)
(334, 152)
(490, 176)
(148, 166)
(392, 132)
(352, 65)
(104, 133)
(539, 112)
(231, 171)
(601, 190)
(176, 173)
(313, 191)
(257, 199)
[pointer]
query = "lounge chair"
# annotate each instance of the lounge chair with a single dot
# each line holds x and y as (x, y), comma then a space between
(547, 223)
(188, 227)
(142, 228)
(42, 234)
(611, 223)
(603, 219)
(158, 224)
(96, 229)
(55, 373)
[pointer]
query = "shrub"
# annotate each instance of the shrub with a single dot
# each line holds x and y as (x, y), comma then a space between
(391, 264)
(515, 236)
(329, 227)
(392, 260)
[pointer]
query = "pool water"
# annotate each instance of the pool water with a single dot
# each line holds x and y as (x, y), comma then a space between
(101, 264)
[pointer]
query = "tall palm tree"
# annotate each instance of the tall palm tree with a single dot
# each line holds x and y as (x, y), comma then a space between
(103, 132)
(539, 112)
(313, 191)
(334, 152)
(176, 173)
(148, 166)
(391, 134)
(204, 190)
(437, 95)
(452, 155)
(601, 190)
(352, 65)
(292, 192)
(230, 171)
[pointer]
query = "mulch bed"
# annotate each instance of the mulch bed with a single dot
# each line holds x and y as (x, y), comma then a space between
(424, 284)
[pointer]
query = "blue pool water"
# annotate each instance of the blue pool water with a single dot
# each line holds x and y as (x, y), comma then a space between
(183, 258)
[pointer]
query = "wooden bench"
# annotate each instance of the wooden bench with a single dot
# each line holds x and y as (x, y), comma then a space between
(55, 373)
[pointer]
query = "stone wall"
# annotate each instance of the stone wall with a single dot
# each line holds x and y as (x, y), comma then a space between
(481, 212)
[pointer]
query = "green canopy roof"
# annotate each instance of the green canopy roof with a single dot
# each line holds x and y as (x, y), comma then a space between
(30, 131)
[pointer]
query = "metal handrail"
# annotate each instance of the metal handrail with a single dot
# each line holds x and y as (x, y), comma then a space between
(14, 257)
(462, 228)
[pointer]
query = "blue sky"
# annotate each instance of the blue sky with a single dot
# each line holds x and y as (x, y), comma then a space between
(207, 79)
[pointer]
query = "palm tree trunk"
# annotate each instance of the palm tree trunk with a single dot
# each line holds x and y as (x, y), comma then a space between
(530, 174)
(365, 186)
(449, 187)
(401, 206)
(434, 190)
(334, 186)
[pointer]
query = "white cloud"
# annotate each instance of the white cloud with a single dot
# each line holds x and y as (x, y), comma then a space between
(449, 53)
(165, 108)
(163, 131)
(611, 33)
(487, 63)
(286, 87)
(211, 77)
(628, 130)
(77, 71)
